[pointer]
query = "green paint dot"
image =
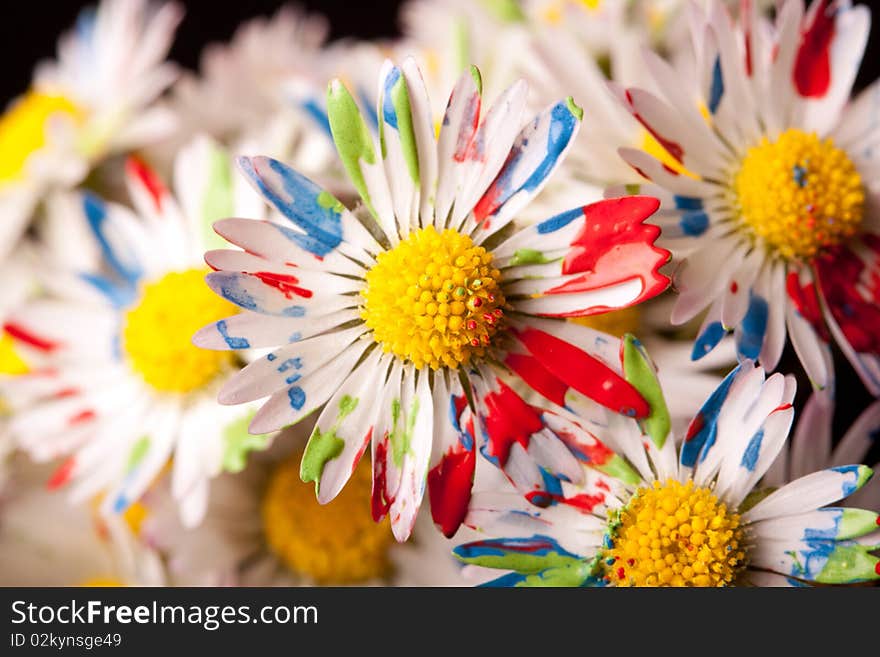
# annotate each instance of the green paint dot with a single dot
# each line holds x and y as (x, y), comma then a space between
(138, 452)
(575, 109)
(238, 443)
(322, 447)
(326, 200)
(528, 257)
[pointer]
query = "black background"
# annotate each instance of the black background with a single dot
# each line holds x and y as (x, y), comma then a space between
(29, 30)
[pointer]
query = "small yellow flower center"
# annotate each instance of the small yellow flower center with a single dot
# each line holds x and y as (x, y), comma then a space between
(157, 332)
(674, 534)
(23, 130)
(434, 299)
(800, 194)
(617, 322)
(10, 360)
(337, 543)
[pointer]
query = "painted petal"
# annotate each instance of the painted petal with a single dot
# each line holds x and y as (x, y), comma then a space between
(811, 444)
(703, 276)
(535, 154)
(522, 555)
(386, 471)
(771, 286)
(822, 561)
(323, 222)
(859, 438)
(255, 331)
(813, 353)
(703, 430)
(344, 429)
(292, 403)
(426, 143)
(811, 492)
(641, 373)
(825, 524)
(453, 458)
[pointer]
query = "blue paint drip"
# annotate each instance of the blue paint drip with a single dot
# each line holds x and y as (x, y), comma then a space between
(694, 223)
(829, 534)
(120, 504)
(717, 90)
(697, 446)
(231, 341)
(551, 492)
(293, 378)
(271, 357)
(538, 545)
(298, 202)
(295, 363)
(389, 114)
(96, 215)
(296, 336)
(688, 202)
(813, 559)
(707, 340)
(294, 311)
(753, 450)
(753, 327)
(849, 487)
(119, 296)
(558, 222)
(317, 114)
(562, 128)
(297, 397)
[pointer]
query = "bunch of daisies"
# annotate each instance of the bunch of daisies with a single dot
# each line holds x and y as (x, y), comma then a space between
(536, 286)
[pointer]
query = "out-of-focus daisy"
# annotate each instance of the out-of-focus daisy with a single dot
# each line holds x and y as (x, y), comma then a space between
(44, 541)
(121, 387)
(265, 528)
(263, 87)
(93, 101)
(811, 447)
(400, 315)
(771, 201)
(652, 514)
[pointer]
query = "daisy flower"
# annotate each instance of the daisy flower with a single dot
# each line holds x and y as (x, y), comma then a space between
(397, 314)
(91, 102)
(653, 514)
(120, 387)
(265, 528)
(811, 447)
(44, 541)
(772, 207)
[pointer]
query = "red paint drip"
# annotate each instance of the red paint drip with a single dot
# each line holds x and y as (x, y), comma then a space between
(449, 488)
(82, 416)
(585, 373)
(20, 333)
(530, 370)
(734, 287)
(61, 475)
(603, 486)
(582, 502)
(147, 177)
(674, 149)
(362, 449)
(379, 504)
(284, 283)
(812, 64)
(854, 305)
(65, 393)
(508, 420)
(806, 301)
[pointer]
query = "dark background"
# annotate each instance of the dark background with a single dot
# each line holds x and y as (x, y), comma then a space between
(29, 31)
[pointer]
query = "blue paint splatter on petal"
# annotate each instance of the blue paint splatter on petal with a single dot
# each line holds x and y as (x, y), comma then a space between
(297, 397)
(707, 340)
(317, 114)
(753, 327)
(702, 432)
(232, 341)
(694, 223)
(561, 220)
(717, 90)
(96, 215)
(849, 487)
(389, 114)
(829, 533)
(753, 450)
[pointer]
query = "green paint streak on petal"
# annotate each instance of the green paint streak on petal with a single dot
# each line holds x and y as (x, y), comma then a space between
(573, 574)
(522, 563)
(575, 109)
(633, 188)
(218, 201)
(865, 473)
(351, 136)
(856, 522)
(400, 101)
(478, 79)
(401, 441)
(529, 257)
(238, 443)
(849, 563)
(461, 41)
(618, 468)
(138, 452)
(508, 11)
(326, 200)
(640, 372)
(324, 446)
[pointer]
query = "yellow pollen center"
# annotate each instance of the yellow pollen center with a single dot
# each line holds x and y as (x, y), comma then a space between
(23, 129)
(434, 299)
(674, 534)
(337, 543)
(157, 332)
(800, 194)
(617, 322)
(10, 360)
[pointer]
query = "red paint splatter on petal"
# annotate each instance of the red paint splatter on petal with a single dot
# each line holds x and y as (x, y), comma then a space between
(673, 148)
(82, 416)
(363, 448)
(603, 486)
(812, 64)
(695, 427)
(22, 334)
(449, 489)
(734, 287)
(539, 378)
(147, 177)
(61, 475)
(854, 305)
(508, 420)
(806, 301)
(582, 502)
(284, 283)
(379, 503)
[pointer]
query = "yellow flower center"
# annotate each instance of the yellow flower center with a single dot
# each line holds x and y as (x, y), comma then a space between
(434, 299)
(23, 129)
(674, 534)
(337, 543)
(800, 194)
(617, 322)
(10, 360)
(157, 332)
